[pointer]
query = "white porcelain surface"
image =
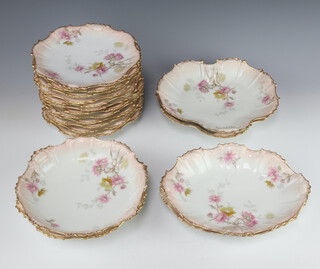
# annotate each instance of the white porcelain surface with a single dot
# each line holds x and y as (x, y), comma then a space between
(82, 186)
(233, 190)
(85, 55)
(221, 97)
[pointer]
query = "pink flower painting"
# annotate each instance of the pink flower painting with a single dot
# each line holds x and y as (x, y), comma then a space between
(181, 186)
(229, 104)
(117, 180)
(266, 99)
(114, 57)
(64, 35)
(99, 166)
(214, 198)
(35, 186)
(52, 74)
(220, 217)
(68, 36)
(225, 90)
(229, 157)
(79, 68)
(103, 198)
(178, 187)
(273, 174)
(249, 219)
(203, 86)
(32, 187)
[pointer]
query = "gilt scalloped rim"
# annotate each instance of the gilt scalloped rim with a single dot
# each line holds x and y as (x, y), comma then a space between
(67, 235)
(215, 132)
(165, 197)
(73, 87)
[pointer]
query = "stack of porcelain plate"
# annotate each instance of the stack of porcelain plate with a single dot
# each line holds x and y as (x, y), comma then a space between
(89, 79)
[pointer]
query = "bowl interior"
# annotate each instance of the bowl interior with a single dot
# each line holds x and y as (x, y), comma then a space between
(79, 56)
(225, 96)
(233, 190)
(82, 186)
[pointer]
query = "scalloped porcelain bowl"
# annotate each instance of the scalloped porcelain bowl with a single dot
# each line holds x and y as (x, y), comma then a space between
(234, 190)
(81, 56)
(82, 188)
(220, 99)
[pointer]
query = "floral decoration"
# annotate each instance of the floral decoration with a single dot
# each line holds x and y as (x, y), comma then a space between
(111, 61)
(68, 37)
(180, 185)
(35, 186)
(266, 99)
(51, 74)
(229, 157)
(173, 107)
(227, 215)
(110, 179)
(220, 92)
(53, 223)
(276, 176)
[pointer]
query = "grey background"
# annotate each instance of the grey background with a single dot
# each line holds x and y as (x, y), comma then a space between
(282, 37)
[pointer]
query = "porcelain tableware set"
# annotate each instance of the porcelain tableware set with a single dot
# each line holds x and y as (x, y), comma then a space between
(89, 79)
(90, 84)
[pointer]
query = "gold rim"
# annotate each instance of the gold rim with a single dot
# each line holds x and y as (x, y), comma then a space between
(103, 125)
(100, 106)
(61, 235)
(183, 218)
(95, 118)
(66, 87)
(91, 100)
(85, 111)
(216, 132)
(66, 130)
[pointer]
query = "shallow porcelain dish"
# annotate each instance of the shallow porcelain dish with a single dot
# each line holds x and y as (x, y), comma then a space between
(233, 190)
(221, 99)
(82, 188)
(81, 56)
